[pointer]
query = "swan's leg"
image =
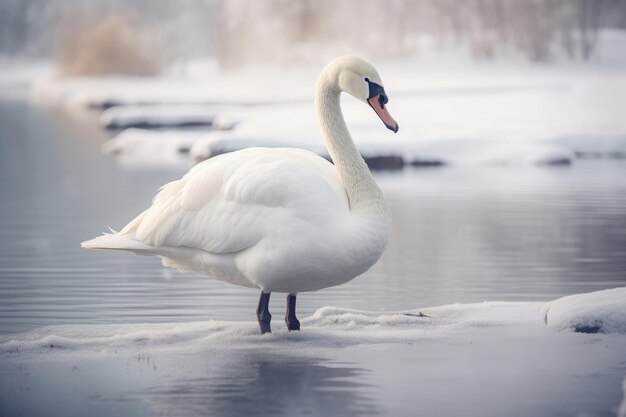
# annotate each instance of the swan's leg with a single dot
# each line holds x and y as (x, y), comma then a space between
(290, 316)
(263, 313)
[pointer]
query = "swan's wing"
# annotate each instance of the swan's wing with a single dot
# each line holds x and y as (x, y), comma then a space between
(229, 203)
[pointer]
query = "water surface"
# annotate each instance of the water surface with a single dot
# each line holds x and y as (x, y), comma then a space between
(463, 234)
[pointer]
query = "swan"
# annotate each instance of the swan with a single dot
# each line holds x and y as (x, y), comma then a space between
(278, 219)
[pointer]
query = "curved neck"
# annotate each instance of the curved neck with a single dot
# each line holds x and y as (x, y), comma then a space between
(364, 195)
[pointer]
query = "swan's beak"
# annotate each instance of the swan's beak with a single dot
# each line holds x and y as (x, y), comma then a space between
(378, 103)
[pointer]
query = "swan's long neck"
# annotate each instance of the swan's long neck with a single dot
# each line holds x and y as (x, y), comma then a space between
(366, 199)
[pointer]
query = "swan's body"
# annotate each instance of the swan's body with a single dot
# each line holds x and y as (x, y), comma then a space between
(275, 219)
(282, 220)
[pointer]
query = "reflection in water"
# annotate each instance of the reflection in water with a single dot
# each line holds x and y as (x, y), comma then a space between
(460, 235)
(530, 234)
(268, 385)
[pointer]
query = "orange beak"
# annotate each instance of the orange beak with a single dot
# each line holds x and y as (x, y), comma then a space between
(378, 104)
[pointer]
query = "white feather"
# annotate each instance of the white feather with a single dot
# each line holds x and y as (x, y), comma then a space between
(279, 219)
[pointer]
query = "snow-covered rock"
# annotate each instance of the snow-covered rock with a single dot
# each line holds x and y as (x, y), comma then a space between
(596, 312)
(475, 115)
(157, 116)
(217, 143)
(145, 148)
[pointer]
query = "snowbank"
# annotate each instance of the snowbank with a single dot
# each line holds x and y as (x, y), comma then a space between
(252, 87)
(142, 148)
(596, 312)
(602, 311)
(470, 115)
(327, 326)
(157, 116)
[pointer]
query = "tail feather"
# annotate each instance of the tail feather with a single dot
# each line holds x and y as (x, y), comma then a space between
(116, 241)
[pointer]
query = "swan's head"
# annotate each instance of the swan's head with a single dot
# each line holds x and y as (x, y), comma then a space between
(360, 79)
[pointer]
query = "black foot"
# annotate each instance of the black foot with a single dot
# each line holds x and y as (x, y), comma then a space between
(290, 317)
(263, 314)
(292, 323)
(264, 323)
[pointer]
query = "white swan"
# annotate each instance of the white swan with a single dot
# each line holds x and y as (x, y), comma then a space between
(282, 220)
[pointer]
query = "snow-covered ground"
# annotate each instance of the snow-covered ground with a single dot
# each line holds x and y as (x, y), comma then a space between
(487, 359)
(457, 112)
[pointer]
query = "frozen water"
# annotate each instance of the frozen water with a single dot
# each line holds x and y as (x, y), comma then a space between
(356, 362)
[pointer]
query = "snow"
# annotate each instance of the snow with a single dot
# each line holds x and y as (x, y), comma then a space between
(157, 116)
(142, 148)
(250, 87)
(482, 356)
(483, 116)
(604, 311)
(16, 77)
(327, 326)
(597, 312)
(450, 112)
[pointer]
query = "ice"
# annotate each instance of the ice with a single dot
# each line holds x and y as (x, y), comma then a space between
(445, 360)
(335, 326)
(597, 312)
(327, 326)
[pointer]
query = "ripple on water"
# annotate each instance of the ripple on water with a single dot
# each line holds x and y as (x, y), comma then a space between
(460, 235)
